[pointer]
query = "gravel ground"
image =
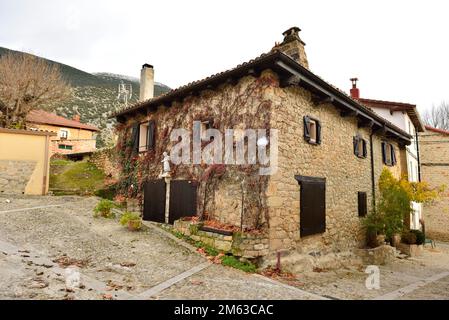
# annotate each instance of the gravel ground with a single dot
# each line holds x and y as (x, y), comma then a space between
(118, 264)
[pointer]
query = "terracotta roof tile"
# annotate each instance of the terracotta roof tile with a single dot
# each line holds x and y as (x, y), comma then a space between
(43, 117)
(437, 130)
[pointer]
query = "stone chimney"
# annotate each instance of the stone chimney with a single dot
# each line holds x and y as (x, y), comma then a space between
(76, 118)
(293, 46)
(355, 92)
(146, 82)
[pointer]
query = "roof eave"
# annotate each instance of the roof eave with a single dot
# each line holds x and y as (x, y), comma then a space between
(282, 64)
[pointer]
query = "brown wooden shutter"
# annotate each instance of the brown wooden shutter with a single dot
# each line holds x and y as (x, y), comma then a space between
(393, 156)
(384, 153)
(365, 153)
(312, 205)
(307, 128)
(318, 132)
(151, 135)
(355, 142)
(362, 201)
(135, 137)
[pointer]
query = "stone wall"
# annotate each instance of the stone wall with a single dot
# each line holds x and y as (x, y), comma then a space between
(434, 151)
(106, 160)
(14, 175)
(333, 159)
(218, 197)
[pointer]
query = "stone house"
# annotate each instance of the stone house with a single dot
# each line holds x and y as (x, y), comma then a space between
(327, 151)
(72, 137)
(434, 145)
(406, 117)
(24, 161)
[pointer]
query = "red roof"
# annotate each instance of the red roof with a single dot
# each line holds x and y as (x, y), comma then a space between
(43, 117)
(437, 130)
(397, 106)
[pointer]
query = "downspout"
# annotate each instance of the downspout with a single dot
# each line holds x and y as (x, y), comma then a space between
(417, 153)
(373, 183)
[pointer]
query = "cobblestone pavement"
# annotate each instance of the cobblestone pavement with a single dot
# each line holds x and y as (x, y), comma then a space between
(118, 264)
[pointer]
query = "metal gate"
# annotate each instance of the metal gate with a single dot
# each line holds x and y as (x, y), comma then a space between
(154, 201)
(182, 199)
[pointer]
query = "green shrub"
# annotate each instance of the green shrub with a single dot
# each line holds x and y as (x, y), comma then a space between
(408, 237)
(232, 261)
(420, 237)
(104, 209)
(108, 193)
(129, 216)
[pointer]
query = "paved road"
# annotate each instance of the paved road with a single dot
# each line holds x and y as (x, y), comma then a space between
(38, 235)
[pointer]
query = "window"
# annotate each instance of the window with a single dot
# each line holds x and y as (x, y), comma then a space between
(388, 154)
(65, 147)
(359, 147)
(312, 215)
(64, 134)
(362, 202)
(312, 130)
(146, 136)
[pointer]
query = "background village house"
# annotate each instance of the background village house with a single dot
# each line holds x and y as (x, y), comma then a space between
(332, 150)
(72, 137)
(434, 145)
(406, 117)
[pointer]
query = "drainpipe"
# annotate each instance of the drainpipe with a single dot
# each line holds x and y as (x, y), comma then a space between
(419, 158)
(373, 183)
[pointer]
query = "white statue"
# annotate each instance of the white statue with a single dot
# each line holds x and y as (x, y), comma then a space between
(166, 162)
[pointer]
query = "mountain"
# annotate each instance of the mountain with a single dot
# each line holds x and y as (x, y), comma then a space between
(95, 96)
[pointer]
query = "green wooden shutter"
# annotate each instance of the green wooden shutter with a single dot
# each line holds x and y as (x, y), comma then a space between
(318, 132)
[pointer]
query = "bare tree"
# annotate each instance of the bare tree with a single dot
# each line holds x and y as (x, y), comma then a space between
(438, 116)
(27, 83)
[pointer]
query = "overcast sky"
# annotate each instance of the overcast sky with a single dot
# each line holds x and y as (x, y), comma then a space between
(398, 49)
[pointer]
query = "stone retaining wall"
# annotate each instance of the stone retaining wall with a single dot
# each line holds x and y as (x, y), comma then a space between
(247, 246)
(106, 160)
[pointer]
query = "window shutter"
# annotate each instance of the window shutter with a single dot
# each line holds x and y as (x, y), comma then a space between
(318, 132)
(365, 153)
(355, 142)
(150, 135)
(384, 152)
(393, 155)
(306, 128)
(135, 137)
(362, 204)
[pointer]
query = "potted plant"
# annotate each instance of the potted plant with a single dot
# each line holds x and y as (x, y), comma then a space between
(131, 220)
(104, 209)
(412, 242)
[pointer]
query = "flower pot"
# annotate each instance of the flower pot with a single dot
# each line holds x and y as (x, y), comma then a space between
(380, 239)
(395, 240)
(134, 225)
